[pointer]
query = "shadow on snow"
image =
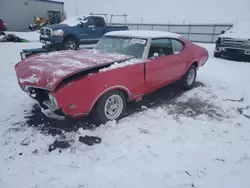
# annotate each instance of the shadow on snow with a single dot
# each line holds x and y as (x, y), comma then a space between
(49, 126)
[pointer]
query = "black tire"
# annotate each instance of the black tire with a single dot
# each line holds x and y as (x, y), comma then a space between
(187, 85)
(70, 44)
(217, 55)
(98, 114)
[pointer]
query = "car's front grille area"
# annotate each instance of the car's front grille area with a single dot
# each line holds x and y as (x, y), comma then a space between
(235, 42)
(46, 32)
(37, 93)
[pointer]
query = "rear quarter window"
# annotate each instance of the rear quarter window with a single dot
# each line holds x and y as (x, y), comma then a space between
(178, 45)
(99, 22)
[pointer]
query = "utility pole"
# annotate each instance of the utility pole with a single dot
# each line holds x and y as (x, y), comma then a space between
(77, 10)
(141, 18)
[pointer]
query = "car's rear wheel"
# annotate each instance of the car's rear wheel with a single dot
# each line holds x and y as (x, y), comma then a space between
(111, 106)
(189, 78)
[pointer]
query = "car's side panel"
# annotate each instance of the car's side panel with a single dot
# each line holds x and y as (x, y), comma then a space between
(179, 67)
(202, 57)
(167, 69)
(193, 53)
(85, 92)
(160, 71)
(183, 59)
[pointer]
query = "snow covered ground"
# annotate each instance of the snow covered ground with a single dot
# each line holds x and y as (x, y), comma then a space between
(169, 140)
(32, 36)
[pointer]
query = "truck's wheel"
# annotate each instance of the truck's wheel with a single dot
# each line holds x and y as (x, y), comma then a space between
(70, 44)
(111, 106)
(189, 78)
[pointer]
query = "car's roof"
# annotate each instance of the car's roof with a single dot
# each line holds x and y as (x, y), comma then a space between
(143, 34)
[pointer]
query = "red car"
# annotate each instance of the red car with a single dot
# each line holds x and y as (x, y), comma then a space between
(2, 25)
(123, 66)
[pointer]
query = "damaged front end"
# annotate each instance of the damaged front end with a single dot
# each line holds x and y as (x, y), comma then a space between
(46, 101)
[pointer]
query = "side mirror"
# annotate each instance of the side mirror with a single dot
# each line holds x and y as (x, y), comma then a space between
(81, 24)
(222, 32)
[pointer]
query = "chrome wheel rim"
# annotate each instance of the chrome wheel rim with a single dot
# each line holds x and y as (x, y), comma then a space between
(191, 77)
(113, 107)
(71, 45)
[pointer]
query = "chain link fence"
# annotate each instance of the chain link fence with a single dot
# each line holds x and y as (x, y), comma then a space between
(206, 33)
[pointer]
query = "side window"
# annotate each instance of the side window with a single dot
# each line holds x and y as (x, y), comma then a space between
(177, 46)
(161, 46)
(90, 22)
(99, 22)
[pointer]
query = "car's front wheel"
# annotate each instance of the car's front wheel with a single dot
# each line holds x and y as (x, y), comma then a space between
(70, 44)
(189, 78)
(111, 106)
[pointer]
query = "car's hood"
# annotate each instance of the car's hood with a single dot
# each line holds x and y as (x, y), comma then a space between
(57, 26)
(238, 35)
(48, 70)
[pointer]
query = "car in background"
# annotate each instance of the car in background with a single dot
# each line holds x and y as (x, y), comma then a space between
(123, 66)
(2, 25)
(72, 32)
(234, 43)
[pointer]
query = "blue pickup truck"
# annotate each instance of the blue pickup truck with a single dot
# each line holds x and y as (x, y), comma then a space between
(69, 34)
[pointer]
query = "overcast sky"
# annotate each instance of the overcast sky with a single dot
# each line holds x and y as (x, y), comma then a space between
(164, 11)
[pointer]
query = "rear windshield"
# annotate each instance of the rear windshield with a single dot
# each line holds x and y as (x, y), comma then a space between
(123, 45)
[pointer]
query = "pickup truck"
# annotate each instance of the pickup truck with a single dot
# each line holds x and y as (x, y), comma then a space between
(69, 34)
(234, 43)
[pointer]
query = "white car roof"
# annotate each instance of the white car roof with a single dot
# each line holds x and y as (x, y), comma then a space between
(143, 34)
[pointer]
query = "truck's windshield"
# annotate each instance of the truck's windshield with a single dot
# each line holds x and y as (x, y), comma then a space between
(123, 45)
(240, 28)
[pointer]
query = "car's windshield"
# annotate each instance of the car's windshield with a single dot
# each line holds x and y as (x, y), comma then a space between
(123, 45)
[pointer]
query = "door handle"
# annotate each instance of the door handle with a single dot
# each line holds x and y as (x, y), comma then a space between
(93, 29)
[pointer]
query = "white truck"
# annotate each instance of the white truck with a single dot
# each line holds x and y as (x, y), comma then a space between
(234, 43)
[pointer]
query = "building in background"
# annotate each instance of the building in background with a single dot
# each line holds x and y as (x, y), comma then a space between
(19, 14)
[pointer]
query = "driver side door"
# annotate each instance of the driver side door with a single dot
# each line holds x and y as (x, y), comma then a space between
(160, 70)
(87, 31)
